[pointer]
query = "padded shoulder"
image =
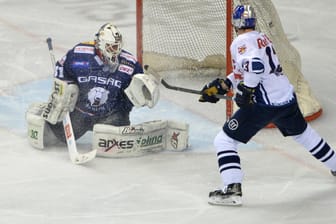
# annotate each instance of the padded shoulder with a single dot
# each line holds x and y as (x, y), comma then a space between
(89, 43)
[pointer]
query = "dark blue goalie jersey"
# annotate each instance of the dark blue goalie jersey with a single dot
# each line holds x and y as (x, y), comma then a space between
(101, 90)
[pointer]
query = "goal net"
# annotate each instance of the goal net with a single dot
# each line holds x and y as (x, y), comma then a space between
(195, 35)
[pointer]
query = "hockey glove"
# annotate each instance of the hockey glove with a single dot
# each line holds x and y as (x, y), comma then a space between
(244, 96)
(211, 89)
(61, 101)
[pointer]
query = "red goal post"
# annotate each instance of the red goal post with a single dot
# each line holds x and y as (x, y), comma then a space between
(194, 36)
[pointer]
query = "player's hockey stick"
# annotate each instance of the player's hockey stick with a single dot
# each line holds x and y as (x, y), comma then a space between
(75, 156)
(181, 89)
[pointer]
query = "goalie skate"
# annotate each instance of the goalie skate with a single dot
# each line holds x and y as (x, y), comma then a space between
(229, 196)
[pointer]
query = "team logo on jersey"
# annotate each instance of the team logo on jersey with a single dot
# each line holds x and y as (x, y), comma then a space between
(98, 96)
(126, 69)
(233, 124)
(84, 50)
(99, 80)
(242, 49)
(80, 64)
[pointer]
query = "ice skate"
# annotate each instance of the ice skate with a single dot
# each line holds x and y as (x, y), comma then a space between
(229, 196)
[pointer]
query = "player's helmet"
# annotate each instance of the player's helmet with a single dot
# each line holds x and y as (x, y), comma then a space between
(109, 42)
(244, 17)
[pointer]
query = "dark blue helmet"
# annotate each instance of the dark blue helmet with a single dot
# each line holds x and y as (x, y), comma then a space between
(244, 17)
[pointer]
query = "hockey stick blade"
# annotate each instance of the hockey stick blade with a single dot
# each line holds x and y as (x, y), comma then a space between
(84, 158)
(75, 156)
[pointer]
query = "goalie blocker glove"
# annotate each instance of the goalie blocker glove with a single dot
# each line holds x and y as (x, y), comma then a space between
(215, 87)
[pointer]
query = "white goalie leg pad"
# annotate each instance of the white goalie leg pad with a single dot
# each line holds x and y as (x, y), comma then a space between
(37, 131)
(177, 136)
(62, 100)
(129, 141)
(140, 139)
(143, 90)
(35, 125)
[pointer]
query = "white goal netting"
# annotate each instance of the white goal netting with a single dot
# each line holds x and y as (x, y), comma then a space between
(190, 35)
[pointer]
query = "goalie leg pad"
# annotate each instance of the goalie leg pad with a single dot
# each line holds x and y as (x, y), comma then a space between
(129, 141)
(177, 136)
(62, 100)
(38, 133)
(140, 139)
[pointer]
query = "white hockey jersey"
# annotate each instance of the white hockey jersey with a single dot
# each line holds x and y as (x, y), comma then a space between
(255, 62)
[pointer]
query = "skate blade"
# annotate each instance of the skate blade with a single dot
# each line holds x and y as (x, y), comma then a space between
(231, 201)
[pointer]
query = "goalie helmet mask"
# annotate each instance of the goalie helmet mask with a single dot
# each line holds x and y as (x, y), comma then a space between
(109, 43)
(244, 17)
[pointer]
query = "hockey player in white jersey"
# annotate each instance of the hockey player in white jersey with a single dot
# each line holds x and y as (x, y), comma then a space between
(264, 95)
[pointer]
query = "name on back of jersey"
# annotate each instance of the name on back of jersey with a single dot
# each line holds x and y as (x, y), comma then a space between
(263, 42)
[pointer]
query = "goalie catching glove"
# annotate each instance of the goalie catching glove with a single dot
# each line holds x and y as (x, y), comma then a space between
(217, 86)
(143, 90)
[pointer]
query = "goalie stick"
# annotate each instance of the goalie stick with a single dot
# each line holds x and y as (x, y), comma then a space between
(75, 156)
(181, 89)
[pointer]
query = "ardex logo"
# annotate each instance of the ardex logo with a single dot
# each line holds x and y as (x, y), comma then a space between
(113, 144)
(67, 131)
(109, 144)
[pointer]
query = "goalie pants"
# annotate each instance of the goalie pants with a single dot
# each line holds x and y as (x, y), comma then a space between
(81, 123)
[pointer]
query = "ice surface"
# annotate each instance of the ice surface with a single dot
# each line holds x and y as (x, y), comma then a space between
(283, 183)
